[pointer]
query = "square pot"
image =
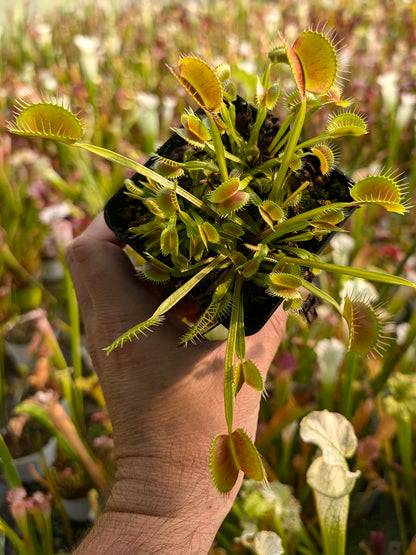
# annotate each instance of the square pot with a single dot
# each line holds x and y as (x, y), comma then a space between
(122, 212)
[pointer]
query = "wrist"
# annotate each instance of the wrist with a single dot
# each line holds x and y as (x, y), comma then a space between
(156, 506)
(167, 488)
(126, 533)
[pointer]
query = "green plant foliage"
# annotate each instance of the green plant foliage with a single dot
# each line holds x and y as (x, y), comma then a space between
(346, 123)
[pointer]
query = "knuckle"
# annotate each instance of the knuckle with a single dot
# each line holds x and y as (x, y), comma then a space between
(78, 251)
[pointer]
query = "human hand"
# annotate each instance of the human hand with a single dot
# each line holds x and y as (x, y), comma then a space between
(165, 403)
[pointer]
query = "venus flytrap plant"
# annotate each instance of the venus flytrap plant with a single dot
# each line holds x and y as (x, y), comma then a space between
(236, 199)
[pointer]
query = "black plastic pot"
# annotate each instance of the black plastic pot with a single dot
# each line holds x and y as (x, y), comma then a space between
(122, 212)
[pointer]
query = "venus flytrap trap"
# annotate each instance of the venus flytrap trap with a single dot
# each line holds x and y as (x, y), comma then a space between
(234, 209)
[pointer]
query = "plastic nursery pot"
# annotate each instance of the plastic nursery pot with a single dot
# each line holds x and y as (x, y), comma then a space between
(36, 459)
(79, 509)
(123, 212)
(47, 454)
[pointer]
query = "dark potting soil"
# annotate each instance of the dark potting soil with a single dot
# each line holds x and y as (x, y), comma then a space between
(33, 438)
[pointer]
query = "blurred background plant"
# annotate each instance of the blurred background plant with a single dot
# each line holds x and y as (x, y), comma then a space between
(108, 60)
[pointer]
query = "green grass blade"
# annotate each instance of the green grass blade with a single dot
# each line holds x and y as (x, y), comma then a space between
(9, 469)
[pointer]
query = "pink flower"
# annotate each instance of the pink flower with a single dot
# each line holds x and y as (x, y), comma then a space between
(16, 497)
(16, 494)
(40, 502)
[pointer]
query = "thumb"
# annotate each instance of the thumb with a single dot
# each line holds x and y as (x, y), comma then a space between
(108, 288)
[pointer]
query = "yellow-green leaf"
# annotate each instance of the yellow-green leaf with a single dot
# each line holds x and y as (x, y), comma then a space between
(222, 464)
(169, 241)
(246, 455)
(223, 72)
(201, 82)
(347, 123)
(271, 212)
(226, 190)
(232, 204)
(250, 267)
(208, 233)
(48, 120)
(194, 130)
(154, 270)
(232, 229)
(238, 377)
(167, 168)
(383, 190)
(252, 376)
(267, 97)
(295, 163)
(167, 201)
(228, 197)
(364, 324)
(284, 285)
(330, 218)
(278, 55)
(319, 61)
(295, 66)
(326, 157)
(196, 247)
